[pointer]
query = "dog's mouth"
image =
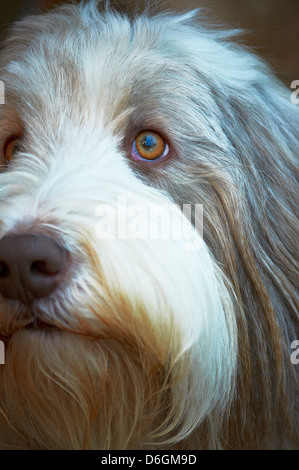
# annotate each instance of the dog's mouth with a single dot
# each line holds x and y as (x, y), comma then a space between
(38, 324)
(35, 325)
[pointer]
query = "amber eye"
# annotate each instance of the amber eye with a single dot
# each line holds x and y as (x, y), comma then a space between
(11, 146)
(149, 145)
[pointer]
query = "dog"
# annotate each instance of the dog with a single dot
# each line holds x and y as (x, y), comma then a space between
(116, 338)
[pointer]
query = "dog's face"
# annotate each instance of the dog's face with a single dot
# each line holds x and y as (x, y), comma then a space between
(113, 333)
(115, 340)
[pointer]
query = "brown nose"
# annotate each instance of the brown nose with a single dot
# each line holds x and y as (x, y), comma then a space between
(31, 266)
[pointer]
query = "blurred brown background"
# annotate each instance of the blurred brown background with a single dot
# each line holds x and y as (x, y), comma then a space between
(272, 25)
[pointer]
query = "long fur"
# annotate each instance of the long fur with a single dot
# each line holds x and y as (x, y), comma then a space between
(156, 346)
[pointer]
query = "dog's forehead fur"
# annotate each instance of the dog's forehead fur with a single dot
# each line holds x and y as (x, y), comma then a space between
(110, 67)
(106, 61)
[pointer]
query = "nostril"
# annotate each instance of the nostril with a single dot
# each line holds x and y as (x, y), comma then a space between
(52, 261)
(43, 267)
(4, 270)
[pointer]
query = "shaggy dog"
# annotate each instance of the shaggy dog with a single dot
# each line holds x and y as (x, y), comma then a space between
(121, 339)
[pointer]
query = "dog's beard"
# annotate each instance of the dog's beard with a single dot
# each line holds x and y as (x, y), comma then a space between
(71, 392)
(128, 362)
(126, 388)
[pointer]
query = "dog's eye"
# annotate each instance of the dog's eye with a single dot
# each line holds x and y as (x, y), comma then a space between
(149, 146)
(11, 146)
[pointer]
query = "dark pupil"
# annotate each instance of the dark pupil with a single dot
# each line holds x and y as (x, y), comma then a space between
(149, 143)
